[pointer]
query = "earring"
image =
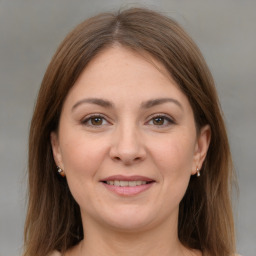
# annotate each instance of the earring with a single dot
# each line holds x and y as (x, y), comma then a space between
(197, 172)
(61, 172)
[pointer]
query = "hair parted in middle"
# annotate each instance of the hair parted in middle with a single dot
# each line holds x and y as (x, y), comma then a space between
(205, 216)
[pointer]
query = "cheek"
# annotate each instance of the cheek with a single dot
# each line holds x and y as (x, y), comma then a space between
(83, 160)
(82, 155)
(174, 156)
(176, 153)
(175, 160)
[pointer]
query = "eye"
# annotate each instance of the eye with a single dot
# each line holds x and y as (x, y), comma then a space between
(161, 120)
(95, 120)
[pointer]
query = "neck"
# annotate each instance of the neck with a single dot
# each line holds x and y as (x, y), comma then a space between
(161, 240)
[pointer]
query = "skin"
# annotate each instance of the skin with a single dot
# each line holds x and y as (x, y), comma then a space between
(128, 138)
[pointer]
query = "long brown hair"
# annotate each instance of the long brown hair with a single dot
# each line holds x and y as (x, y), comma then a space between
(205, 216)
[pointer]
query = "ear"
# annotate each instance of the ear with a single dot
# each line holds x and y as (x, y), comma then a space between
(56, 150)
(201, 147)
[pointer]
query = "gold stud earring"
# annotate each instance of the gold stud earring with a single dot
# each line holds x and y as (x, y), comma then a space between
(197, 172)
(61, 172)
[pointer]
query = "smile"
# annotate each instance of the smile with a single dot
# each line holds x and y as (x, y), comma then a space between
(127, 185)
(123, 183)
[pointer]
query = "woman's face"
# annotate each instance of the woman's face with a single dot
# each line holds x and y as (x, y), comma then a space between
(127, 142)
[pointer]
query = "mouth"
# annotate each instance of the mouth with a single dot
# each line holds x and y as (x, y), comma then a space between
(127, 185)
(123, 183)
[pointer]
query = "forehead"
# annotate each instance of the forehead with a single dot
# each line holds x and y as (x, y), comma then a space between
(120, 73)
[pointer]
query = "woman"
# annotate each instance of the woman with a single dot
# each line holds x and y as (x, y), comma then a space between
(128, 152)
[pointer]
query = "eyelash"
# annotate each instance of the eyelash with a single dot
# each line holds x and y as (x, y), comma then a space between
(166, 118)
(91, 117)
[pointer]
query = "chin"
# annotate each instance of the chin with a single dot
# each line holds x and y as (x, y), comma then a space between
(129, 220)
(130, 226)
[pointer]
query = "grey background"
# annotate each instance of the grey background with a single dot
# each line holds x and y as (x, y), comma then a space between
(30, 32)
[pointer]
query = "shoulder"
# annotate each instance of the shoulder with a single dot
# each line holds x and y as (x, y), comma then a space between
(54, 253)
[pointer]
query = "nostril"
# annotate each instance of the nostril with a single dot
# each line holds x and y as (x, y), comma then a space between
(126, 155)
(127, 160)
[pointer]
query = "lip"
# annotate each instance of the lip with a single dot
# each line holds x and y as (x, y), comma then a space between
(128, 178)
(128, 191)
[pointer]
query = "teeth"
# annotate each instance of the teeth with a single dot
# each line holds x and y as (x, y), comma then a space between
(140, 183)
(122, 183)
(132, 183)
(116, 183)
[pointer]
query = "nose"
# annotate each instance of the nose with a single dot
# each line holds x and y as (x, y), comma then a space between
(127, 145)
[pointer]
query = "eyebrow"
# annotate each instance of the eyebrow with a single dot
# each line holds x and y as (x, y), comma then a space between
(146, 104)
(96, 101)
(155, 102)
